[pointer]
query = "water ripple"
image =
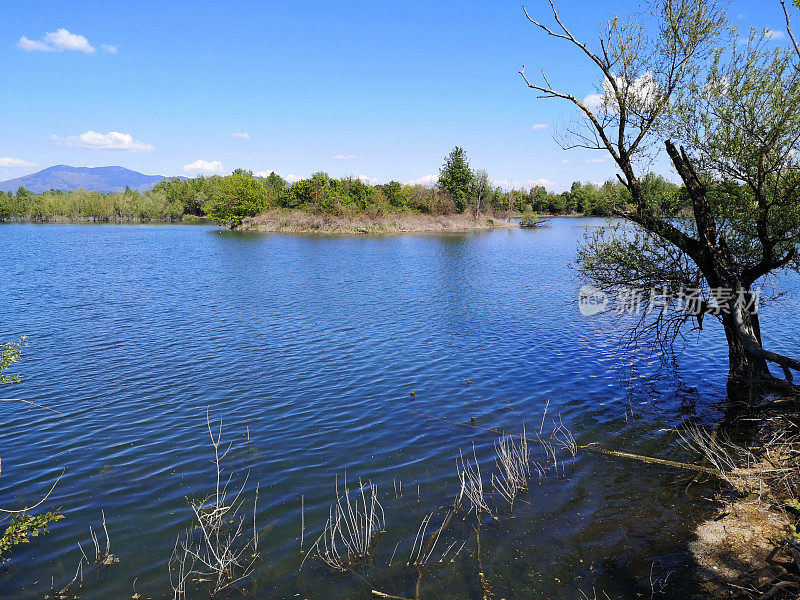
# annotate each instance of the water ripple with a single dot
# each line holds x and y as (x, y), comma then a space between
(309, 348)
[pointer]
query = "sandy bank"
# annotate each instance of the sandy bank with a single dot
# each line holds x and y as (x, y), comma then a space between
(742, 552)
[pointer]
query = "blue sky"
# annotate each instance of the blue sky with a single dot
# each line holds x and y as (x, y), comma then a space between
(379, 89)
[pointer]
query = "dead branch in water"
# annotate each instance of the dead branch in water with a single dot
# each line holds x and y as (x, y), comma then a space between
(102, 558)
(378, 594)
(487, 593)
(592, 447)
(219, 555)
(32, 404)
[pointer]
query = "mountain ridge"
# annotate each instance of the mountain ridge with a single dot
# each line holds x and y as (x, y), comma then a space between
(99, 179)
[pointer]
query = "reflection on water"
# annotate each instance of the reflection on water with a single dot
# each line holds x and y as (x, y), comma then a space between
(309, 348)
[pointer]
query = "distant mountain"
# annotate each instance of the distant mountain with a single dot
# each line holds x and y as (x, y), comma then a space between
(100, 179)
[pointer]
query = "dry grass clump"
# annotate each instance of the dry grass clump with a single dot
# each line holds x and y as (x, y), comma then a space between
(296, 221)
(351, 527)
(469, 473)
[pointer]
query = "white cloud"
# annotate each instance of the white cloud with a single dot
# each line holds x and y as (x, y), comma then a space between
(204, 166)
(715, 87)
(641, 93)
(242, 135)
(773, 34)
(58, 41)
(108, 48)
(595, 160)
(113, 140)
(565, 161)
(64, 40)
(503, 183)
(290, 177)
(594, 102)
(345, 157)
(33, 45)
(368, 180)
(426, 180)
(5, 161)
(508, 184)
(539, 126)
(546, 183)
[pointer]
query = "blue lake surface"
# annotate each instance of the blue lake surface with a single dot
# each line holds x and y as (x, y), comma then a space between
(309, 348)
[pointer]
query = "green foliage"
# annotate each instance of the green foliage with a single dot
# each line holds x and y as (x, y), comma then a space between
(238, 195)
(190, 194)
(274, 182)
(529, 220)
(394, 193)
(662, 196)
(23, 527)
(9, 354)
(602, 200)
(82, 205)
(456, 177)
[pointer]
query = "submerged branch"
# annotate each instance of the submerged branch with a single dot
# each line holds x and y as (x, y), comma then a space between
(594, 448)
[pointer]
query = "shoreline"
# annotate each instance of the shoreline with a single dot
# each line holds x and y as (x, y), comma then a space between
(745, 546)
(296, 221)
(64, 220)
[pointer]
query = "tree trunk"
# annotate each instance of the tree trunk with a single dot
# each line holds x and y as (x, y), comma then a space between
(746, 372)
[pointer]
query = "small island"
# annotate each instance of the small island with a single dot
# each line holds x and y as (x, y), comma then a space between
(299, 221)
(461, 199)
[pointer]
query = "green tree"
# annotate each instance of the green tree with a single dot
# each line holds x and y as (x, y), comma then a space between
(519, 200)
(318, 193)
(354, 193)
(238, 195)
(7, 206)
(274, 182)
(537, 198)
(734, 111)
(665, 194)
(394, 193)
(185, 193)
(455, 177)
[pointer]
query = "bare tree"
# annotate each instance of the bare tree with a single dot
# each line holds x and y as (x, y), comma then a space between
(670, 77)
(480, 189)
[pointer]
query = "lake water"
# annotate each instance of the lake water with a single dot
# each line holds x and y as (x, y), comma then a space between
(309, 349)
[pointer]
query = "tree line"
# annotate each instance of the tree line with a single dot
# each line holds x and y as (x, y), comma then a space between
(229, 199)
